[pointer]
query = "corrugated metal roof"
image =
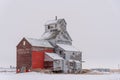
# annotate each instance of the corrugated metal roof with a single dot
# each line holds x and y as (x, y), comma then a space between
(39, 42)
(54, 56)
(67, 47)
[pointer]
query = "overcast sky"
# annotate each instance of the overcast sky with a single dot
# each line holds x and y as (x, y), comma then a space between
(94, 26)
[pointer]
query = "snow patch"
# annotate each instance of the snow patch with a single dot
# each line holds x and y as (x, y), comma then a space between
(67, 47)
(54, 56)
(42, 76)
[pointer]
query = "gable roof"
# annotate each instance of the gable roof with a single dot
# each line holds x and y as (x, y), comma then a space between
(51, 22)
(54, 21)
(67, 47)
(39, 42)
(54, 56)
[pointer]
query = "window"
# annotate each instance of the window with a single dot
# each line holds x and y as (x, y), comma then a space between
(24, 43)
(48, 27)
(60, 52)
(53, 30)
(73, 53)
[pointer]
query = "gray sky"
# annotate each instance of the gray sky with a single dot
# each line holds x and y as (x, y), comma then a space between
(93, 25)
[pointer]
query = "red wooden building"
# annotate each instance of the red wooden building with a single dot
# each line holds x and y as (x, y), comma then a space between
(31, 53)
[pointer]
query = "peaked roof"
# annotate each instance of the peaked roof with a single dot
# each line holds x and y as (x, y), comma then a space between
(67, 47)
(55, 21)
(53, 56)
(39, 42)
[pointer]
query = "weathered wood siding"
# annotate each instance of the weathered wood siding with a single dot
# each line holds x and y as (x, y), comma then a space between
(24, 55)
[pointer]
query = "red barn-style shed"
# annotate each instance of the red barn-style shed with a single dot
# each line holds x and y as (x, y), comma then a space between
(31, 53)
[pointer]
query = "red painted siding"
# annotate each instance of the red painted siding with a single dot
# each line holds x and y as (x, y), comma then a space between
(38, 58)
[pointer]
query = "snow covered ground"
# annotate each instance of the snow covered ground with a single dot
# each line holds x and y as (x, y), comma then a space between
(42, 76)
